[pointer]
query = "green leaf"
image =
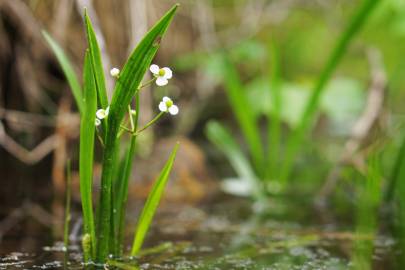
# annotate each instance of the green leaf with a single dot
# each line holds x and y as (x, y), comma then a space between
(125, 89)
(67, 70)
(396, 184)
(244, 114)
(274, 120)
(152, 203)
(136, 66)
(222, 138)
(295, 141)
(96, 62)
(87, 129)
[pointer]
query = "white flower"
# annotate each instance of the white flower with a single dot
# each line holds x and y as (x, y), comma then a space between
(167, 105)
(114, 72)
(97, 122)
(101, 113)
(133, 112)
(162, 74)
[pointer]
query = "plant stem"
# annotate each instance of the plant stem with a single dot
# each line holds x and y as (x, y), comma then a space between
(147, 83)
(122, 195)
(67, 212)
(104, 218)
(154, 120)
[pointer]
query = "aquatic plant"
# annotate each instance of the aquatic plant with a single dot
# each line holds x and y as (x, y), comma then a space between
(109, 119)
(266, 167)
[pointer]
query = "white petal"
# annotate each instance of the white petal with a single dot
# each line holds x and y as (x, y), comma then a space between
(114, 72)
(101, 114)
(168, 73)
(173, 110)
(166, 99)
(161, 81)
(154, 69)
(162, 106)
(97, 122)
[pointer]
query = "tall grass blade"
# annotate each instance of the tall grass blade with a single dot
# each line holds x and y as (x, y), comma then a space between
(244, 115)
(125, 89)
(67, 70)
(152, 203)
(395, 192)
(87, 131)
(96, 62)
(367, 215)
(354, 26)
(274, 125)
(397, 173)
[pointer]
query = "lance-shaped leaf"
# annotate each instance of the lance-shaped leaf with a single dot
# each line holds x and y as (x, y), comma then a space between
(96, 62)
(67, 70)
(87, 129)
(152, 203)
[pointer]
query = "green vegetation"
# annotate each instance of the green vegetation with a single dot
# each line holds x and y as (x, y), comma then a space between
(104, 228)
(275, 164)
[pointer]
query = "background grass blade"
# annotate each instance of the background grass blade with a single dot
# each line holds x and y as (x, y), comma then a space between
(397, 173)
(96, 62)
(367, 214)
(87, 129)
(222, 138)
(67, 70)
(66, 224)
(125, 89)
(356, 23)
(152, 203)
(274, 125)
(244, 115)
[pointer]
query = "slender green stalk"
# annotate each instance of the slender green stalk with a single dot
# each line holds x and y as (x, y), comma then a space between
(151, 122)
(124, 182)
(113, 242)
(87, 130)
(274, 117)
(67, 212)
(87, 247)
(355, 25)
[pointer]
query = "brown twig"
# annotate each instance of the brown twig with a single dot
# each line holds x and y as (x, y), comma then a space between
(361, 128)
(27, 118)
(21, 153)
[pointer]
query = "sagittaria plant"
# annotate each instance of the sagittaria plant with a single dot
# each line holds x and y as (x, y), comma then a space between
(103, 232)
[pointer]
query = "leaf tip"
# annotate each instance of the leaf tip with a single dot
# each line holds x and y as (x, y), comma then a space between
(176, 147)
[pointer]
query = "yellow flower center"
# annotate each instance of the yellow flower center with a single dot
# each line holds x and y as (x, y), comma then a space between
(169, 103)
(162, 72)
